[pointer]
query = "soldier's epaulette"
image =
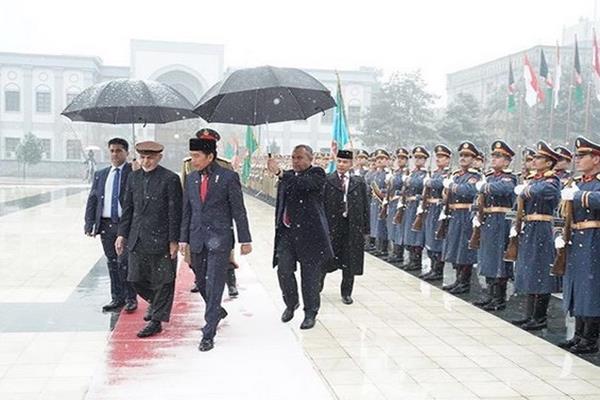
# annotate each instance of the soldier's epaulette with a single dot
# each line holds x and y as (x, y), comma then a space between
(186, 159)
(598, 177)
(508, 171)
(474, 171)
(489, 172)
(549, 174)
(580, 177)
(456, 171)
(446, 169)
(531, 175)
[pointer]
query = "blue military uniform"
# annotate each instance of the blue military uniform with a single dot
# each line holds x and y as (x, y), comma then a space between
(456, 249)
(536, 252)
(581, 285)
(378, 225)
(499, 197)
(369, 175)
(395, 231)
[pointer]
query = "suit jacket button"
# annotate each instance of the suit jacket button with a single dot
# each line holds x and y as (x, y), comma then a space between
(300, 201)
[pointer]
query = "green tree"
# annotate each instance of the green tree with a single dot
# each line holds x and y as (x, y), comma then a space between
(462, 121)
(401, 113)
(29, 151)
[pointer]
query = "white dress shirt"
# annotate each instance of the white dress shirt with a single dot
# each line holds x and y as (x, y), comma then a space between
(108, 186)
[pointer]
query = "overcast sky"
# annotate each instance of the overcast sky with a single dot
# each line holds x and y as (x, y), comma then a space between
(436, 36)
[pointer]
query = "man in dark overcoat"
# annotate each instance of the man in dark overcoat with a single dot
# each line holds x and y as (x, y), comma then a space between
(301, 233)
(150, 229)
(347, 210)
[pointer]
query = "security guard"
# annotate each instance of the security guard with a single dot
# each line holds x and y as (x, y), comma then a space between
(379, 191)
(434, 207)
(562, 166)
(581, 284)
(460, 187)
(536, 254)
(396, 231)
(186, 169)
(498, 191)
(414, 240)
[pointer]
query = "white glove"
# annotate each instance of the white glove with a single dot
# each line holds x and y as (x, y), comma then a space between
(426, 180)
(447, 183)
(568, 193)
(476, 222)
(559, 242)
(419, 210)
(479, 185)
(519, 189)
(405, 178)
(442, 216)
(513, 232)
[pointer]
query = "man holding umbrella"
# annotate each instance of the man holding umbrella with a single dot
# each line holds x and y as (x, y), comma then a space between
(301, 233)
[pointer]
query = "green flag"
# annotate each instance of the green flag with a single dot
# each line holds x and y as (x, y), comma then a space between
(511, 89)
(578, 79)
(251, 147)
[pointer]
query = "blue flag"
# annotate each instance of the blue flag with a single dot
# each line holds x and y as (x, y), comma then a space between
(340, 136)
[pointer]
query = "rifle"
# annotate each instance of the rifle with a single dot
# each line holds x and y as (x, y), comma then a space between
(512, 250)
(386, 200)
(376, 191)
(442, 228)
(420, 218)
(560, 261)
(399, 217)
(475, 240)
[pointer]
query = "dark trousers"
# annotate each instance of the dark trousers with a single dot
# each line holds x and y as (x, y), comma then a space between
(159, 299)
(342, 256)
(310, 276)
(120, 289)
(347, 282)
(211, 273)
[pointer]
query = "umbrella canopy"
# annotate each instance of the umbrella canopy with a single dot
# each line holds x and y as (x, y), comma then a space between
(127, 101)
(256, 96)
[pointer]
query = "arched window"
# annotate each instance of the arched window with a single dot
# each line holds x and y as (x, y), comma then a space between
(43, 99)
(12, 98)
(354, 112)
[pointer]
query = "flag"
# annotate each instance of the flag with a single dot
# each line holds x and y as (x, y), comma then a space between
(577, 77)
(533, 92)
(596, 66)
(340, 136)
(511, 89)
(229, 152)
(251, 147)
(546, 78)
(557, 73)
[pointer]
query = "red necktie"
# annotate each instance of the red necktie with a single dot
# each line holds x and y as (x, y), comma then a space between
(204, 187)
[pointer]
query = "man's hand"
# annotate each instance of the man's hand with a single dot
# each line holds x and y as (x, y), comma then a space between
(426, 181)
(173, 247)
(448, 183)
(442, 216)
(568, 193)
(513, 232)
(476, 222)
(479, 185)
(246, 249)
(90, 234)
(120, 245)
(182, 247)
(273, 166)
(519, 189)
(559, 243)
(419, 210)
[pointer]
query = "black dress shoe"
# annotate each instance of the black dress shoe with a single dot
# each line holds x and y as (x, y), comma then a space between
(535, 324)
(566, 344)
(347, 300)
(151, 329)
(495, 305)
(195, 289)
(233, 291)
(148, 314)
(461, 288)
(113, 306)
(288, 313)
(433, 277)
(483, 302)
(206, 344)
(130, 306)
(309, 322)
(585, 347)
(520, 321)
(223, 313)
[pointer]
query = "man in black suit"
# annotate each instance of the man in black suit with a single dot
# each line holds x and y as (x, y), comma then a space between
(150, 229)
(103, 212)
(347, 211)
(301, 233)
(212, 201)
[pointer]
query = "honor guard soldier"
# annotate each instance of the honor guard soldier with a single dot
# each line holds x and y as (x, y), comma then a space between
(369, 176)
(347, 212)
(581, 284)
(413, 191)
(186, 169)
(396, 230)
(379, 193)
(540, 197)
(461, 192)
(497, 193)
(432, 205)
(362, 163)
(526, 164)
(562, 166)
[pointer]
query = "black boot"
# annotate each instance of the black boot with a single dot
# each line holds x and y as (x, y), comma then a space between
(395, 257)
(458, 271)
(417, 259)
(370, 246)
(589, 340)
(378, 248)
(499, 301)
(540, 314)
(464, 285)
(405, 266)
(529, 308)
(488, 297)
(385, 248)
(232, 283)
(437, 272)
(579, 327)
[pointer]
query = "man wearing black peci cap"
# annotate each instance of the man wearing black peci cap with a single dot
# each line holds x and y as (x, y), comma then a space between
(212, 201)
(347, 211)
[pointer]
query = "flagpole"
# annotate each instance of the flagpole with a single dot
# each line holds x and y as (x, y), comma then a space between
(551, 128)
(568, 114)
(520, 120)
(587, 109)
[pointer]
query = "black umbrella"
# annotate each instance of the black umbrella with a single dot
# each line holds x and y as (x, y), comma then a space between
(129, 101)
(262, 95)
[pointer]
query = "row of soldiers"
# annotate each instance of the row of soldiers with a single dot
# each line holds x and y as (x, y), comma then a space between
(462, 217)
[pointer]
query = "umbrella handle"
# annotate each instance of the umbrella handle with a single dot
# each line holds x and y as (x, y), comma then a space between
(270, 155)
